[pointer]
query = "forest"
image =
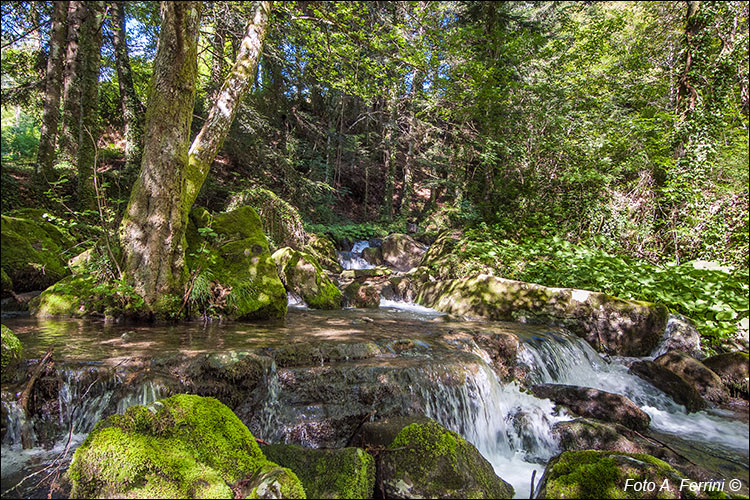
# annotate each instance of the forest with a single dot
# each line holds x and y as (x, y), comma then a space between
(234, 213)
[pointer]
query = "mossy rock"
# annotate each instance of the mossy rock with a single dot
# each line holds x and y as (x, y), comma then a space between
(281, 221)
(32, 252)
(12, 352)
(332, 473)
(302, 274)
(605, 474)
(401, 251)
(324, 250)
(362, 296)
(6, 284)
(365, 273)
(429, 461)
(185, 446)
(236, 263)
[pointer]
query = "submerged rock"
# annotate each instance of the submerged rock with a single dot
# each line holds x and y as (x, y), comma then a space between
(332, 473)
(302, 274)
(705, 381)
(429, 461)
(609, 324)
(594, 403)
(12, 351)
(604, 474)
(240, 276)
(401, 251)
(670, 383)
(32, 254)
(182, 447)
(732, 368)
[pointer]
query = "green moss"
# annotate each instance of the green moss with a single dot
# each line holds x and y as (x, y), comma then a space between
(604, 474)
(182, 447)
(281, 221)
(303, 275)
(427, 460)
(32, 253)
(6, 284)
(12, 351)
(274, 482)
(340, 473)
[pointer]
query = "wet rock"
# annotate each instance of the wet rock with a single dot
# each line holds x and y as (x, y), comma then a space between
(362, 296)
(324, 250)
(333, 473)
(302, 274)
(12, 353)
(732, 368)
(604, 474)
(185, 446)
(503, 351)
(381, 433)
(311, 354)
(365, 273)
(373, 255)
(429, 461)
(609, 324)
(591, 434)
(670, 383)
(403, 288)
(402, 251)
(243, 279)
(680, 335)
(593, 403)
(706, 382)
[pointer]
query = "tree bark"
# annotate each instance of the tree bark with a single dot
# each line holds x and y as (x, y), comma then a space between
(389, 163)
(90, 44)
(51, 112)
(129, 101)
(152, 232)
(71, 112)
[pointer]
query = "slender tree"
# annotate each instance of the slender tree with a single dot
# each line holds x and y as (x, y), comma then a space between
(71, 98)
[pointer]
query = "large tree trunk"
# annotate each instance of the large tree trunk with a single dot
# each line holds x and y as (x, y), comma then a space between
(389, 161)
(128, 98)
(153, 229)
(152, 233)
(71, 112)
(89, 56)
(51, 112)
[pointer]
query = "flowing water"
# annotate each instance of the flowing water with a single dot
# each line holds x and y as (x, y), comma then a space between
(353, 258)
(103, 369)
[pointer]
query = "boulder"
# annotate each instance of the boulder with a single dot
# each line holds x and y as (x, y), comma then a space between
(373, 255)
(236, 264)
(605, 474)
(12, 352)
(362, 296)
(592, 434)
(680, 335)
(32, 254)
(185, 446)
(332, 473)
(732, 368)
(439, 259)
(382, 432)
(594, 403)
(706, 382)
(670, 383)
(302, 274)
(609, 324)
(324, 250)
(365, 273)
(429, 461)
(401, 251)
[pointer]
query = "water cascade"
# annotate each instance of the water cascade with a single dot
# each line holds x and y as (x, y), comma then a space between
(353, 259)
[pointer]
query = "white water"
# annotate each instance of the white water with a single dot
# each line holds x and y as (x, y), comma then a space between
(353, 259)
(414, 310)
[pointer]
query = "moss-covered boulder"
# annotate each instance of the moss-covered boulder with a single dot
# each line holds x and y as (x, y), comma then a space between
(365, 273)
(362, 295)
(401, 251)
(605, 474)
(670, 383)
(12, 352)
(733, 369)
(281, 221)
(303, 275)
(429, 461)
(324, 250)
(32, 253)
(238, 278)
(373, 255)
(609, 324)
(593, 403)
(332, 473)
(705, 381)
(182, 447)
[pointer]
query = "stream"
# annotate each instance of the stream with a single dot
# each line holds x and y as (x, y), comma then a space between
(398, 360)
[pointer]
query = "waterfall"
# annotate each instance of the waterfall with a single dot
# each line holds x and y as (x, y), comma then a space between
(353, 259)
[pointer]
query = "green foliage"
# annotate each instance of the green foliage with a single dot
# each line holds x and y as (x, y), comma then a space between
(20, 135)
(714, 297)
(349, 232)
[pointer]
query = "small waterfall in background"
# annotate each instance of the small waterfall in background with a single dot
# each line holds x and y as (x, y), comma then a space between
(353, 259)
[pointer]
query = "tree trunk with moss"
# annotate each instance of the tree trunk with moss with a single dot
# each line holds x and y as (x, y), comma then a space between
(152, 233)
(51, 112)
(71, 97)
(153, 229)
(129, 101)
(88, 133)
